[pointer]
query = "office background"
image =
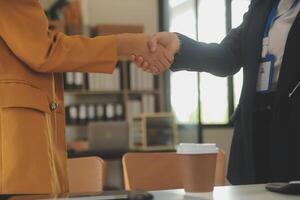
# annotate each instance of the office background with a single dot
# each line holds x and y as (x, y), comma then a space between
(202, 111)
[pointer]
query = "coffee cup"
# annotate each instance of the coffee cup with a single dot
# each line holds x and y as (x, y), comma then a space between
(198, 166)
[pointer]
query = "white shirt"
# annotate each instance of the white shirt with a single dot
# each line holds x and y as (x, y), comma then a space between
(278, 34)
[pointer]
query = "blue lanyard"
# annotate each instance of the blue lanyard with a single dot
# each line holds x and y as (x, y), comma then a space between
(272, 17)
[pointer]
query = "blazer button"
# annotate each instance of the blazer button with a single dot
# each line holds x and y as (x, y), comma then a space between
(53, 106)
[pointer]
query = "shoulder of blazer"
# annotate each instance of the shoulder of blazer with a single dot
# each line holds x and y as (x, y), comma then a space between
(257, 2)
(257, 5)
(254, 4)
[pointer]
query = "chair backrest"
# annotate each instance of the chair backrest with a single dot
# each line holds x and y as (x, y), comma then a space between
(160, 171)
(86, 174)
(151, 171)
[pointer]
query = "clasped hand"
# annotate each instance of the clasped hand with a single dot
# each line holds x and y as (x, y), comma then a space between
(159, 56)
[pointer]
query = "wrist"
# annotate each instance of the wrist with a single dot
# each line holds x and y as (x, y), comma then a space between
(124, 44)
(177, 42)
(128, 43)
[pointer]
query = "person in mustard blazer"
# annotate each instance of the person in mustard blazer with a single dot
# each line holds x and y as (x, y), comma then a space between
(32, 126)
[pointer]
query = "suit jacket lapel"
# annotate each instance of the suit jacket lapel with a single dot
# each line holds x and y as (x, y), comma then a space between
(290, 70)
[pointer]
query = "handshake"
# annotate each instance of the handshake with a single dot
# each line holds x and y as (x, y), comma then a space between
(153, 54)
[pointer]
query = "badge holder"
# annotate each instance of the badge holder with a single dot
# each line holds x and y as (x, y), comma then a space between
(267, 65)
(265, 75)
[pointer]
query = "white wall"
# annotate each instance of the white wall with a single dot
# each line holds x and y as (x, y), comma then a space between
(143, 12)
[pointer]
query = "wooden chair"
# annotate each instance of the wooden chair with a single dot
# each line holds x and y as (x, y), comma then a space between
(160, 171)
(86, 174)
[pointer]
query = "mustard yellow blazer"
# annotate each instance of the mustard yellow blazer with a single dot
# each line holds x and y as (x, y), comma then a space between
(32, 127)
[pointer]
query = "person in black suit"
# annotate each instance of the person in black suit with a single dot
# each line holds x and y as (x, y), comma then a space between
(265, 146)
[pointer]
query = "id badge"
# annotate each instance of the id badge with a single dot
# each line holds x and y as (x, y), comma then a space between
(265, 74)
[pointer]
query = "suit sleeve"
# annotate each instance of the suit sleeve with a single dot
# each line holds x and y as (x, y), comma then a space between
(24, 28)
(222, 59)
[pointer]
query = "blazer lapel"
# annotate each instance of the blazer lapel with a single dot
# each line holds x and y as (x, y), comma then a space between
(290, 70)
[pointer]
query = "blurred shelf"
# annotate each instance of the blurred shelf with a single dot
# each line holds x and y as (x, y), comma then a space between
(87, 92)
(137, 92)
(122, 92)
(76, 125)
(85, 125)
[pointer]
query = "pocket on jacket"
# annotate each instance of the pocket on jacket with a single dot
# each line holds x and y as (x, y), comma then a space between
(25, 142)
(20, 95)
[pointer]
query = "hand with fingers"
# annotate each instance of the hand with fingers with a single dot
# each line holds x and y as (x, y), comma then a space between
(138, 44)
(167, 40)
(154, 62)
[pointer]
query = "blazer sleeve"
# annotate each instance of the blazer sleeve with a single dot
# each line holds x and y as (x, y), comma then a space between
(24, 28)
(222, 59)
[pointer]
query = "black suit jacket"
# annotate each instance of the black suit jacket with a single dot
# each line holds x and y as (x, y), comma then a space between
(242, 48)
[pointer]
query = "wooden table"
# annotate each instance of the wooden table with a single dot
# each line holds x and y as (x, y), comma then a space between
(248, 192)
